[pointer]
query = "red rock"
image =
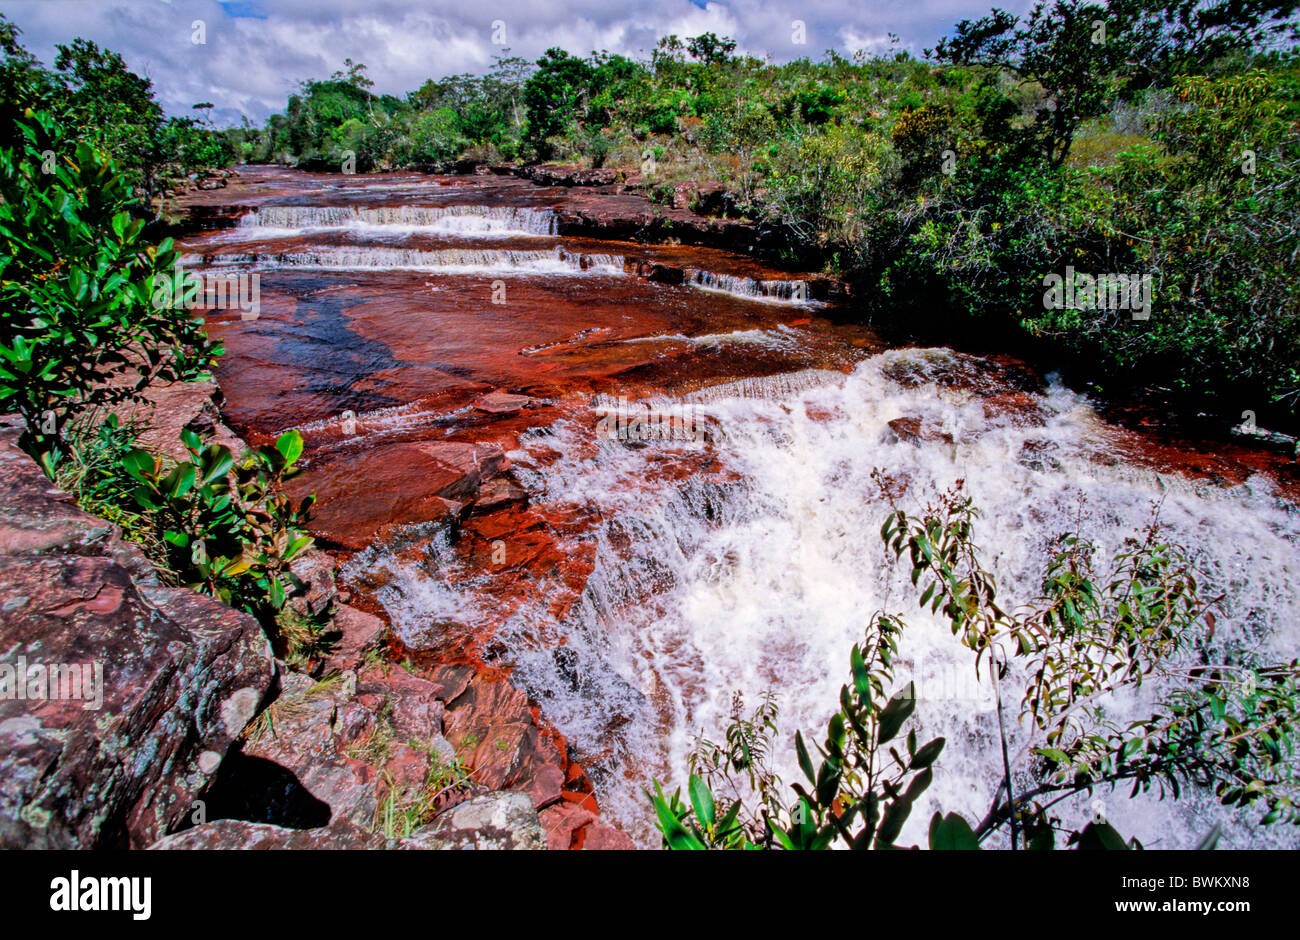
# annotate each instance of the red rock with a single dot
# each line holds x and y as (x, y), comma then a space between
(561, 822)
(359, 634)
(179, 675)
(658, 272)
(601, 838)
(584, 801)
(502, 403)
(497, 493)
(496, 735)
(452, 680)
(413, 704)
(316, 570)
(913, 430)
(545, 785)
(405, 483)
(407, 767)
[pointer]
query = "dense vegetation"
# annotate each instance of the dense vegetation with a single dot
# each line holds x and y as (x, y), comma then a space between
(84, 152)
(92, 93)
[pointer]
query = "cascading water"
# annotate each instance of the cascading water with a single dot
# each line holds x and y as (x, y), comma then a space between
(762, 577)
(442, 261)
(744, 558)
(754, 288)
(470, 220)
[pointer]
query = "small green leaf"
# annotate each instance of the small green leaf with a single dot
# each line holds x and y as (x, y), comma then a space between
(289, 444)
(898, 710)
(952, 833)
(928, 754)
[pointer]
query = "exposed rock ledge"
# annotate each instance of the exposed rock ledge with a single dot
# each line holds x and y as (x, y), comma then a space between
(199, 722)
(178, 673)
(491, 821)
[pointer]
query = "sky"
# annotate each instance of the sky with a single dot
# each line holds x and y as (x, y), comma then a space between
(246, 57)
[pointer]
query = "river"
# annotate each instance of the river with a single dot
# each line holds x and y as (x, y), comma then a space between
(644, 582)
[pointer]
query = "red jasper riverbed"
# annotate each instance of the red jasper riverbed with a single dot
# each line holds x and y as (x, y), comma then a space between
(448, 358)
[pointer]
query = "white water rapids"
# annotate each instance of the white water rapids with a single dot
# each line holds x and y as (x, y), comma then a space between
(765, 583)
(468, 223)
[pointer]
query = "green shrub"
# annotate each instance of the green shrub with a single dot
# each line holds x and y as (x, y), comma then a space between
(229, 529)
(78, 326)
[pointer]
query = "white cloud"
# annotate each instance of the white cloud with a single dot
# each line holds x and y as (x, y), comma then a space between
(251, 63)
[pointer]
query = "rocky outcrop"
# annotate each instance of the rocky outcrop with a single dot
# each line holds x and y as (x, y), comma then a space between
(349, 517)
(655, 271)
(493, 821)
(385, 744)
(165, 409)
(490, 821)
(491, 726)
(120, 695)
(354, 740)
(235, 834)
(550, 174)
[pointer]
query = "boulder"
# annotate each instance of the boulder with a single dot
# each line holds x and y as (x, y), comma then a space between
(316, 570)
(499, 492)
(601, 838)
(501, 403)
(237, 835)
(914, 430)
(562, 822)
(490, 821)
(134, 690)
(494, 732)
(356, 634)
(656, 271)
(346, 740)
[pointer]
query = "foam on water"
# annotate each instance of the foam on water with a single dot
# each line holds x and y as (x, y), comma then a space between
(764, 582)
(468, 220)
(443, 261)
(780, 337)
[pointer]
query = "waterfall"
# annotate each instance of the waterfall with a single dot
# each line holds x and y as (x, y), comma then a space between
(468, 220)
(753, 288)
(442, 261)
(762, 576)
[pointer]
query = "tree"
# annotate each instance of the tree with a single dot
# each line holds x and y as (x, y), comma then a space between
(710, 50)
(553, 95)
(114, 107)
(1082, 54)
